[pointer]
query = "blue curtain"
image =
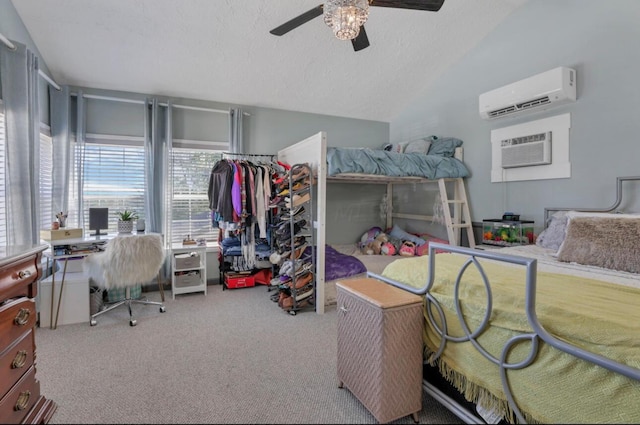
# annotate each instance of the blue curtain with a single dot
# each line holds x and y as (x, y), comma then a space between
(59, 111)
(19, 80)
(236, 138)
(156, 164)
(80, 143)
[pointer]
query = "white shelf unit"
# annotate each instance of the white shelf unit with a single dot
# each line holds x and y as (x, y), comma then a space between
(192, 276)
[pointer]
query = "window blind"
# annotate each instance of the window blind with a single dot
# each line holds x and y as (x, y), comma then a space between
(190, 213)
(45, 174)
(112, 177)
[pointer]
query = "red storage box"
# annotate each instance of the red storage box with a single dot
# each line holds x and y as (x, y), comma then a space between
(239, 280)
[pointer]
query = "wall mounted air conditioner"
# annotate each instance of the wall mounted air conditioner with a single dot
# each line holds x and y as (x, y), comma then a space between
(526, 151)
(542, 91)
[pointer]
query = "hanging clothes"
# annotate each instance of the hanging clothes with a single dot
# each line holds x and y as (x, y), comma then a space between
(239, 194)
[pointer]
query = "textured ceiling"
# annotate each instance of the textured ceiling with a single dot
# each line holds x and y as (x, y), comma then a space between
(221, 50)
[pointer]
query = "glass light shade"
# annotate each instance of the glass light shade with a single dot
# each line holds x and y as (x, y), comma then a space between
(345, 17)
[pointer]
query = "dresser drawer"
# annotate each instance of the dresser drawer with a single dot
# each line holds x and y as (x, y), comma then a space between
(15, 405)
(15, 361)
(17, 317)
(16, 279)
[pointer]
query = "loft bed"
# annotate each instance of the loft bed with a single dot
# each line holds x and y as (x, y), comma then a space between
(534, 334)
(445, 170)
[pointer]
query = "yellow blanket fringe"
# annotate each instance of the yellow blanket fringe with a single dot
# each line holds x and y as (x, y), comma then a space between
(473, 392)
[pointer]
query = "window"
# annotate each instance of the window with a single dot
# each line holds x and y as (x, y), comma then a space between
(46, 215)
(190, 213)
(112, 176)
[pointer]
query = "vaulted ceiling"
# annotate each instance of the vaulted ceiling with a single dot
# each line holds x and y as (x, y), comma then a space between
(221, 50)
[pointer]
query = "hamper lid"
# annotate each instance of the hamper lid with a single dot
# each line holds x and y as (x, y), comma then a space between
(378, 292)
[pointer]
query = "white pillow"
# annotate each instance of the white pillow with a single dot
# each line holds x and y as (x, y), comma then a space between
(553, 236)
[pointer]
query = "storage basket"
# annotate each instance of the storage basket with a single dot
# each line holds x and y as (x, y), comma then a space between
(118, 294)
(188, 261)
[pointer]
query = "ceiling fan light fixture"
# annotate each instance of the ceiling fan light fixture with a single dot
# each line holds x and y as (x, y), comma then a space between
(345, 17)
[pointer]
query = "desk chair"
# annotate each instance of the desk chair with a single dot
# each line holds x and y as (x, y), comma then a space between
(126, 262)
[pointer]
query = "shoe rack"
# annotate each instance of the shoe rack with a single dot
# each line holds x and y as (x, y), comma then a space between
(294, 241)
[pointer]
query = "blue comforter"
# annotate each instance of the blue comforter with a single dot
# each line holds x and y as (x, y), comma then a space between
(376, 161)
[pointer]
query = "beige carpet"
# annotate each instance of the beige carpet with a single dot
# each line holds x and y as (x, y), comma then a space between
(231, 356)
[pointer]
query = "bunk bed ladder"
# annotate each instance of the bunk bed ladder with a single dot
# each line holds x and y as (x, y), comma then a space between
(461, 218)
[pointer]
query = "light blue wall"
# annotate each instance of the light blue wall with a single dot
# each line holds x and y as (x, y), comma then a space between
(598, 39)
(12, 27)
(265, 131)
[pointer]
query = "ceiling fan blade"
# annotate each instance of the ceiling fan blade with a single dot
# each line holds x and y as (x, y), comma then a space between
(297, 21)
(428, 5)
(361, 41)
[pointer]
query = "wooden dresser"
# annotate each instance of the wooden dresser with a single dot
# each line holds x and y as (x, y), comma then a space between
(20, 398)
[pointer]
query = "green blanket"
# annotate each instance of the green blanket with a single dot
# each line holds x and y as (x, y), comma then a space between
(557, 388)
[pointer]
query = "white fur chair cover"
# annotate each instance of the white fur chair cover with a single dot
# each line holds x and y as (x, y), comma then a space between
(127, 261)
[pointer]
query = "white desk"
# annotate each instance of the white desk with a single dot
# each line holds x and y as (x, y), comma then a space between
(84, 247)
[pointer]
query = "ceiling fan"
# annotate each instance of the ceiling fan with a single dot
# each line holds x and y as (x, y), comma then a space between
(347, 17)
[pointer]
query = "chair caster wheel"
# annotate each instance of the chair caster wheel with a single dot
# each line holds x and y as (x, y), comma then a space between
(133, 322)
(93, 322)
(162, 309)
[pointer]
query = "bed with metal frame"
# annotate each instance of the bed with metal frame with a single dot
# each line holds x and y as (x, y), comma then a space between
(622, 375)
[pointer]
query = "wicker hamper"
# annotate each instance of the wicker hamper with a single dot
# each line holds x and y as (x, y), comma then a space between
(380, 347)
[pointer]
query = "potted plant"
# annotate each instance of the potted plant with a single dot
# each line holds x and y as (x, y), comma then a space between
(125, 221)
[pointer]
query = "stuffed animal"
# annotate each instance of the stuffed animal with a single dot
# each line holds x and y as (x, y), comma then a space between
(388, 249)
(367, 239)
(375, 246)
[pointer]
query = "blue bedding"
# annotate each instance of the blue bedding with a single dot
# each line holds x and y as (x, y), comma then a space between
(380, 162)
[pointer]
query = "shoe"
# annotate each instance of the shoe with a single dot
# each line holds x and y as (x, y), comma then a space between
(300, 173)
(297, 200)
(306, 267)
(287, 303)
(299, 186)
(277, 201)
(301, 281)
(295, 213)
(286, 233)
(305, 294)
(282, 296)
(297, 253)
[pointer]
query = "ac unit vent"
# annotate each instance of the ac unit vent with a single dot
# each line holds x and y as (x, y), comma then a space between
(526, 151)
(535, 102)
(503, 111)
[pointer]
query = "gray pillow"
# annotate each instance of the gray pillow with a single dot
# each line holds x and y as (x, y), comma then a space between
(444, 147)
(553, 236)
(418, 146)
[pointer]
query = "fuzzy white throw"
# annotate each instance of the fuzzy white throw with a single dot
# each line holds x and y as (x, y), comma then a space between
(127, 261)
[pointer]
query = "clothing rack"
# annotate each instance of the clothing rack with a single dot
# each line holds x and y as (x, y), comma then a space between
(248, 154)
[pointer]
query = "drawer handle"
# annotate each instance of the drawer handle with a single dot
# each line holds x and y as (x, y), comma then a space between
(23, 400)
(22, 317)
(19, 360)
(23, 273)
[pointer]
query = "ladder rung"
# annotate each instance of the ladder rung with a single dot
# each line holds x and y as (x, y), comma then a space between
(461, 225)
